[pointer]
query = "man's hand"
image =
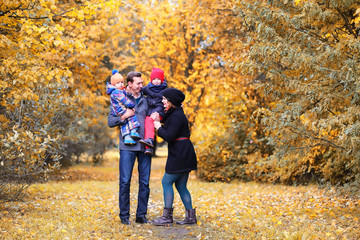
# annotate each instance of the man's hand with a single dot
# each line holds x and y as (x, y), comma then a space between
(128, 113)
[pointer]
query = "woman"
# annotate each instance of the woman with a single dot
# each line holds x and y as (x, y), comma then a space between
(181, 157)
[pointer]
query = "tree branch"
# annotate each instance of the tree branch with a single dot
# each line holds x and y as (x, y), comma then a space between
(350, 27)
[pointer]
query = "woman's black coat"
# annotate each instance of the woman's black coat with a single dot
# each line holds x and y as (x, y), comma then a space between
(181, 153)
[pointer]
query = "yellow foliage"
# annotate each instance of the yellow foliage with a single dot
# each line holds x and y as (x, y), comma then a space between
(49, 79)
(180, 41)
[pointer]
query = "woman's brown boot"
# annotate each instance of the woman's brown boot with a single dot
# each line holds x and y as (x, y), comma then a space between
(166, 219)
(190, 217)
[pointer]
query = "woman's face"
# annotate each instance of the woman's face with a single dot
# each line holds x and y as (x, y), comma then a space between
(167, 103)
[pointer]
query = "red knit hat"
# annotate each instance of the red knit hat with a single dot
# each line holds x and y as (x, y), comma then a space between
(157, 73)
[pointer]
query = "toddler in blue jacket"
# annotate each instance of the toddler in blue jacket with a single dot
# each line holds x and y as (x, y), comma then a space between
(118, 104)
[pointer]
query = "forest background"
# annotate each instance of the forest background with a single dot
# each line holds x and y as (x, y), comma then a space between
(272, 87)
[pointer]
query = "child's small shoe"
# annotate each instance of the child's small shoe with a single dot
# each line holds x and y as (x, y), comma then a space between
(149, 142)
(134, 135)
(148, 151)
(128, 140)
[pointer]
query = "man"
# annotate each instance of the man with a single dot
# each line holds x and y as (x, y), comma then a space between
(128, 154)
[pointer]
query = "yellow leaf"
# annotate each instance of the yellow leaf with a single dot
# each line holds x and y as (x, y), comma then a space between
(58, 27)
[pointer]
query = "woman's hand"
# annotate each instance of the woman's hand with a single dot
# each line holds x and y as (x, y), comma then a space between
(155, 116)
(157, 125)
(128, 113)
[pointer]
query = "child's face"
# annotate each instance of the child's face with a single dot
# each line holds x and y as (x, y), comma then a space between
(119, 85)
(156, 81)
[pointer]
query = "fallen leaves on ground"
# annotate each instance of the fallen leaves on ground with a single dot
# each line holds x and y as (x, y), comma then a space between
(88, 209)
(85, 174)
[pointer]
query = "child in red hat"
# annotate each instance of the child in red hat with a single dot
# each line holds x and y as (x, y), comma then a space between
(153, 92)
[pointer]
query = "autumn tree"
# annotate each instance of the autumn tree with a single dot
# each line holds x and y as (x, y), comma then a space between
(293, 67)
(287, 67)
(51, 83)
(188, 40)
(305, 54)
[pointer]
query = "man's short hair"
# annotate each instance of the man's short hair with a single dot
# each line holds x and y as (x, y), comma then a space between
(131, 75)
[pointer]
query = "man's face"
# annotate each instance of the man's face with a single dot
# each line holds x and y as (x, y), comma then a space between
(136, 85)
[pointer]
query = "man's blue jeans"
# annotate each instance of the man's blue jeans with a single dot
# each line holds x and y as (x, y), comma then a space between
(126, 165)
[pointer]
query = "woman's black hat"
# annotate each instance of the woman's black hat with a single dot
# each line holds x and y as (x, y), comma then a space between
(175, 96)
